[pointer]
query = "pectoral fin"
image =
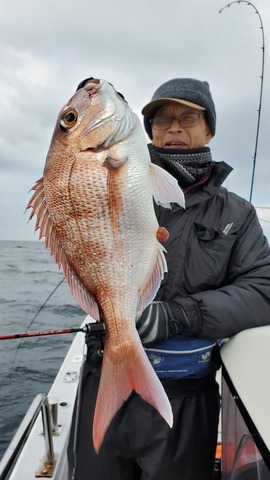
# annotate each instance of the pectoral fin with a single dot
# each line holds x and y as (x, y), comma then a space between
(165, 187)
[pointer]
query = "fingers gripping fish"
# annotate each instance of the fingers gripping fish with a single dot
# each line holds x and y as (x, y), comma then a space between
(94, 206)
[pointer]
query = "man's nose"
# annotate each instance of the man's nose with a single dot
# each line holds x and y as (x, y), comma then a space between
(175, 125)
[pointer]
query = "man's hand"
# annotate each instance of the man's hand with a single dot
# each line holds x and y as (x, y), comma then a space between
(160, 321)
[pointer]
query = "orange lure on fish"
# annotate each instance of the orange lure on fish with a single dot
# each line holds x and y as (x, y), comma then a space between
(94, 206)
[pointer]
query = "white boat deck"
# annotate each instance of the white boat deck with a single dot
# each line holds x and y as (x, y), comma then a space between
(64, 390)
(246, 358)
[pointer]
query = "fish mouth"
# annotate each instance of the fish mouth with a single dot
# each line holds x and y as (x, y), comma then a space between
(92, 86)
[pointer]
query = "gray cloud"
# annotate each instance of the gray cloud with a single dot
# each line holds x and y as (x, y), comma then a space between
(47, 47)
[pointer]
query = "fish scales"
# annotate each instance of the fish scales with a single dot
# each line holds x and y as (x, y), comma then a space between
(94, 205)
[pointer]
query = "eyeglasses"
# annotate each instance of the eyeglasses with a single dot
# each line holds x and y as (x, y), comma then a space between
(185, 120)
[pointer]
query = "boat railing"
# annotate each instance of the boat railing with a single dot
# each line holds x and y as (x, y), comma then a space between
(49, 420)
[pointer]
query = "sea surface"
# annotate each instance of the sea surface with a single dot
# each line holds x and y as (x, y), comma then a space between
(30, 286)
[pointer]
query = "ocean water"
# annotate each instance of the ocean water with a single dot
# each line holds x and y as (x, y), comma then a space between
(28, 276)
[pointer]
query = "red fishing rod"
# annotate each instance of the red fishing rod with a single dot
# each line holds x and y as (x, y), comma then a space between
(90, 328)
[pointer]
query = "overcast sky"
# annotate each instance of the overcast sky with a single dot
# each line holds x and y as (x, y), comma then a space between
(48, 46)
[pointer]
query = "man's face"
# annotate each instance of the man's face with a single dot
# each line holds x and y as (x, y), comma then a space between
(177, 136)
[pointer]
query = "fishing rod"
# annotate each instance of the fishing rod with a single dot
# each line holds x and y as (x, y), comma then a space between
(40, 334)
(91, 329)
(261, 90)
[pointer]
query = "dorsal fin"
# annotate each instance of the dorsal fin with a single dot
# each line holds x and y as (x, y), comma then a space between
(44, 223)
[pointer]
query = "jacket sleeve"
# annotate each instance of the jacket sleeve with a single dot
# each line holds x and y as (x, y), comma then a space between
(244, 300)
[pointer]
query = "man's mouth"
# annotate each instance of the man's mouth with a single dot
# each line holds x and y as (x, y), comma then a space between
(175, 145)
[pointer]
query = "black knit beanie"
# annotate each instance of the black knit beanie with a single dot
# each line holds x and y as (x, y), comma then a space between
(187, 91)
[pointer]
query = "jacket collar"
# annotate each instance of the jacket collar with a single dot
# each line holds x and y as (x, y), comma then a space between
(205, 187)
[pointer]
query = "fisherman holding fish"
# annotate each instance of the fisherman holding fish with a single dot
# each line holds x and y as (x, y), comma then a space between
(148, 408)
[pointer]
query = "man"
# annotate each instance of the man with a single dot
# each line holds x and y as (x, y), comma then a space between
(218, 283)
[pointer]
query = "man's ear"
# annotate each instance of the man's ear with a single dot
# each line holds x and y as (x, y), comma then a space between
(208, 134)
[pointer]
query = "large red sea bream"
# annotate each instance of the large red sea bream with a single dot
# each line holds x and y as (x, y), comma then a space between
(94, 206)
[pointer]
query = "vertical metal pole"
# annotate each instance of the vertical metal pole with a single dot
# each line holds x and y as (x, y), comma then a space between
(47, 426)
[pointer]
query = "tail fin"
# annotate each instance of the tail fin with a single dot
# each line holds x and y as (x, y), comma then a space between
(133, 373)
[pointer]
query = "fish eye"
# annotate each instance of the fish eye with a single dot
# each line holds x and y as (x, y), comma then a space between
(69, 119)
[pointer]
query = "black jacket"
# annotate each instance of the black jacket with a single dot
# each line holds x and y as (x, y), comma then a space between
(218, 259)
